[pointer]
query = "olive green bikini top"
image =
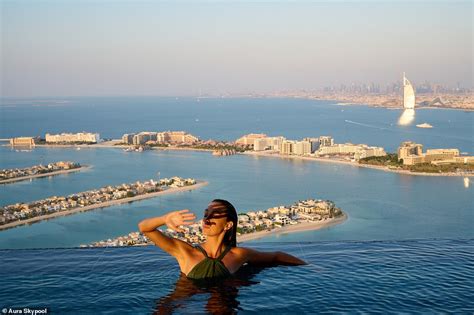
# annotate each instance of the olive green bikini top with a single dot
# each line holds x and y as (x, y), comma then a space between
(210, 267)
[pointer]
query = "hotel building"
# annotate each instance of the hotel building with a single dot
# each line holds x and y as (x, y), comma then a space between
(412, 153)
(356, 151)
(73, 137)
(143, 137)
(268, 143)
(176, 137)
(159, 137)
(24, 141)
(250, 138)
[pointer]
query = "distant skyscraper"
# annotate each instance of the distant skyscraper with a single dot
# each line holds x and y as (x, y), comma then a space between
(408, 94)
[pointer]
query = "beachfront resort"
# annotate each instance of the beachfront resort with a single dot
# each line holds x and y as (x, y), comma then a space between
(409, 157)
(310, 213)
(16, 214)
(323, 148)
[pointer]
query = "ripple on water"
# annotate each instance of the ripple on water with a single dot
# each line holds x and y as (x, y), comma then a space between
(407, 276)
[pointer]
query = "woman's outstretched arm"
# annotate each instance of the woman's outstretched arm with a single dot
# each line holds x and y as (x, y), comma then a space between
(270, 258)
(173, 220)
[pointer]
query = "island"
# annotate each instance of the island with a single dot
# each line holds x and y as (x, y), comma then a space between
(410, 159)
(51, 169)
(311, 214)
(36, 211)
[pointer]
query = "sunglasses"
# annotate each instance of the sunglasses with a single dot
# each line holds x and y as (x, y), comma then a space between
(213, 214)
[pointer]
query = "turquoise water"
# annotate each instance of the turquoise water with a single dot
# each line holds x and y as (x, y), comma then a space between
(229, 119)
(380, 206)
(410, 277)
(407, 246)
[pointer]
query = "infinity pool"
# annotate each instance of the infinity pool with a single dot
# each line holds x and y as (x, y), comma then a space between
(415, 276)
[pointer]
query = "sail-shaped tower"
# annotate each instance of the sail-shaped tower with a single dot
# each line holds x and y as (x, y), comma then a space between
(408, 94)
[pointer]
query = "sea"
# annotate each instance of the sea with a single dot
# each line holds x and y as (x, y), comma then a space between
(405, 247)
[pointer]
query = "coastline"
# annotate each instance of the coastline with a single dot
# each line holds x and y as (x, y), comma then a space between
(370, 103)
(334, 161)
(300, 227)
(352, 103)
(110, 144)
(101, 205)
(17, 179)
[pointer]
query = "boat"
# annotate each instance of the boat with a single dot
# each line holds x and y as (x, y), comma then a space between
(466, 182)
(424, 125)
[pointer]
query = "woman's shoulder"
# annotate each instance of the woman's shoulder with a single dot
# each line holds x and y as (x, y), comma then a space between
(242, 251)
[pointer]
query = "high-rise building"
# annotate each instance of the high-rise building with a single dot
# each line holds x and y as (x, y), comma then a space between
(176, 137)
(408, 94)
(412, 153)
(314, 143)
(409, 148)
(128, 138)
(268, 143)
(143, 137)
(325, 141)
(250, 138)
(302, 148)
(287, 147)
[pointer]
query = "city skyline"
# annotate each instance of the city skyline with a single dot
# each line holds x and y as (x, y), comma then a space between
(97, 48)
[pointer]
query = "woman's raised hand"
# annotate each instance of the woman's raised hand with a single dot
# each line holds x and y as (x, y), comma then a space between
(174, 219)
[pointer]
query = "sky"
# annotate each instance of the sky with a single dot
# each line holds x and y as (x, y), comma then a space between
(99, 48)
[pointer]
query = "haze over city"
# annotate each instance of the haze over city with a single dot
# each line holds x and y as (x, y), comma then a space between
(94, 48)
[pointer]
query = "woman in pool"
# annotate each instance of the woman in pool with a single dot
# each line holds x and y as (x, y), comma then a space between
(219, 255)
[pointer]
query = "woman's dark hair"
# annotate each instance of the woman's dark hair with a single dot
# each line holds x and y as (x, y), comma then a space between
(230, 237)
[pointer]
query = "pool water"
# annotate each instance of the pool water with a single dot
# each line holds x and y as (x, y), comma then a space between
(412, 276)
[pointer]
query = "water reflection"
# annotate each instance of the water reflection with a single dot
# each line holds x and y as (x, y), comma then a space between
(222, 294)
(407, 117)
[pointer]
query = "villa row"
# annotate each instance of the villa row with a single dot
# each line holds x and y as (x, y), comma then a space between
(37, 169)
(312, 210)
(23, 211)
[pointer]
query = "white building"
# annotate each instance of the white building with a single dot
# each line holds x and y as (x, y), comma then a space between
(267, 143)
(302, 148)
(73, 137)
(408, 94)
(281, 219)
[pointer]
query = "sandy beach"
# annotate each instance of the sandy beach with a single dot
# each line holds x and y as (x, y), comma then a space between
(11, 180)
(114, 144)
(306, 226)
(110, 144)
(102, 205)
(334, 161)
